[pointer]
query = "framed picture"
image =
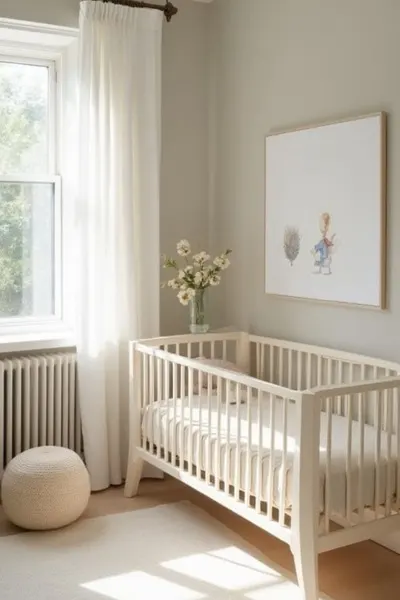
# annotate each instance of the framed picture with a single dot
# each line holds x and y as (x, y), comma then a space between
(326, 212)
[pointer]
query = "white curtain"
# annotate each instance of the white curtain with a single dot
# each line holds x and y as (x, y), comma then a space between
(118, 218)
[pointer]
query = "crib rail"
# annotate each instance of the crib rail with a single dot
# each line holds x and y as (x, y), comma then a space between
(304, 367)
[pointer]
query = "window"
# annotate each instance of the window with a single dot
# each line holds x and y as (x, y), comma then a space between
(29, 191)
(38, 132)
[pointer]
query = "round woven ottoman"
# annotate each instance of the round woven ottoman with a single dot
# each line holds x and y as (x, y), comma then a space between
(45, 488)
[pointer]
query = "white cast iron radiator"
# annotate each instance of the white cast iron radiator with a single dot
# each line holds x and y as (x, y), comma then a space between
(38, 404)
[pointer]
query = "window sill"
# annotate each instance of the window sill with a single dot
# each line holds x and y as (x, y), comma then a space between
(24, 342)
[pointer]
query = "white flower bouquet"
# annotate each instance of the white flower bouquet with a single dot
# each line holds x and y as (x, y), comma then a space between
(193, 278)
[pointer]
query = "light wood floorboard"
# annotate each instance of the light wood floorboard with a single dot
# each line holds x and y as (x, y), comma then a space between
(363, 571)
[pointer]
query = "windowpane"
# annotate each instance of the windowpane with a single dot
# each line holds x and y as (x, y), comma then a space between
(27, 282)
(24, 103)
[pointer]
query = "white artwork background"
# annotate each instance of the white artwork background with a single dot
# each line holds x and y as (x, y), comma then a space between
(333, 169)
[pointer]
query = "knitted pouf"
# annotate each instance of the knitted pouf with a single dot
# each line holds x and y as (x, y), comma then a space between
(45, 488)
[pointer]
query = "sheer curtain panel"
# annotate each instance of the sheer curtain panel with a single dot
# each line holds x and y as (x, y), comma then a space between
(118, 218)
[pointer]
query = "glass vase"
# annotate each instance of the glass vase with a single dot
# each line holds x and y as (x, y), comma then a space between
(198, 322)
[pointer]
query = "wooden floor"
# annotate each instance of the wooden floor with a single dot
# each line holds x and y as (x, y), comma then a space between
(364, 571)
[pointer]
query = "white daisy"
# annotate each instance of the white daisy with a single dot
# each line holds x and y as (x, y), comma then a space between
(222, 262)
(201, 258)
(185, 296)
(183, 248)
(215, 280)
(175, 284)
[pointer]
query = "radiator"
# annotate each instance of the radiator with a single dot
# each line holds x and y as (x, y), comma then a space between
(38, 404)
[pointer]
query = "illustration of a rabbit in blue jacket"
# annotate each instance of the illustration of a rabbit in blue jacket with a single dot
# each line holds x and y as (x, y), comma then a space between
(322, 251)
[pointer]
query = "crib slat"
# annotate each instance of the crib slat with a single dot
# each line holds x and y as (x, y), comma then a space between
(385, 404)
(190, 440)
(262, 362)
(209, 432)
(201, 351)
(389, 483)
(319, 370)
(228, 440)
(182, 411)
(212, 349)
(328, 466)
(299, 370)
(284, 464)
(309, 371)
(218, 466)
(259, 451)
(174, 417)
(258, 360)
(330, 371)
(249, 448)
(290, 368)
(145, 398)
(348, 402)
(152, 399)
(238, 470)
(378, 448)
(271, 364)
(280, 379)
(361, 423)
(340, 398)
(159, 398)
(271, 466)
(200, 426)
(224, 350)
(167, 409)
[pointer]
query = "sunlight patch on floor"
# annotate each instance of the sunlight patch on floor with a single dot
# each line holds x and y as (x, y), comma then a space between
(227, 568)
(141, 586)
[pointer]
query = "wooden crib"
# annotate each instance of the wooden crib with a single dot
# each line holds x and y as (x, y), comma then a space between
(304, 441)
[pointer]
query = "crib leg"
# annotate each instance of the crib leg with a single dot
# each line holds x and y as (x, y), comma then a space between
(133, 477)
(306, 562)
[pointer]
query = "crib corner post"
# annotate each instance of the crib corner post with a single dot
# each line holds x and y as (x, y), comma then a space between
(135, 463)
(306, 501)
(243, 352)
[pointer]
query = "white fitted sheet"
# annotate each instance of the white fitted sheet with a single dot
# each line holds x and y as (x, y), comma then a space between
(158, 419)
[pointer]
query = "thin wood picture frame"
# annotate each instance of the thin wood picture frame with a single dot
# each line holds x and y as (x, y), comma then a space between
(331, 175)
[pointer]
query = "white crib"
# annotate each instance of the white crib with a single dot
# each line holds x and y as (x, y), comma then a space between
(305, 443)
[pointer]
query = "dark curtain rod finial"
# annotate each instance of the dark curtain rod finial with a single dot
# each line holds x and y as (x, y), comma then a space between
(168, 8)
(169, 11)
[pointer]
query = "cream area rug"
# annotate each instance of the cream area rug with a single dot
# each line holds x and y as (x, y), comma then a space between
(171, 552)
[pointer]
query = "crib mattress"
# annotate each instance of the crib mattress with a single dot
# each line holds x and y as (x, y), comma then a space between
(210, 443)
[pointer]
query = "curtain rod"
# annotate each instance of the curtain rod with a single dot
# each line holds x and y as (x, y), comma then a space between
(168, 8)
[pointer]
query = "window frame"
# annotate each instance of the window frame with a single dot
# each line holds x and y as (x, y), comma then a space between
(56, 48)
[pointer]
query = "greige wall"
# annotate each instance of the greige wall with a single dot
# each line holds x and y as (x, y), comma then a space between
(56, 12)
(184, 183)
(282, 64)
